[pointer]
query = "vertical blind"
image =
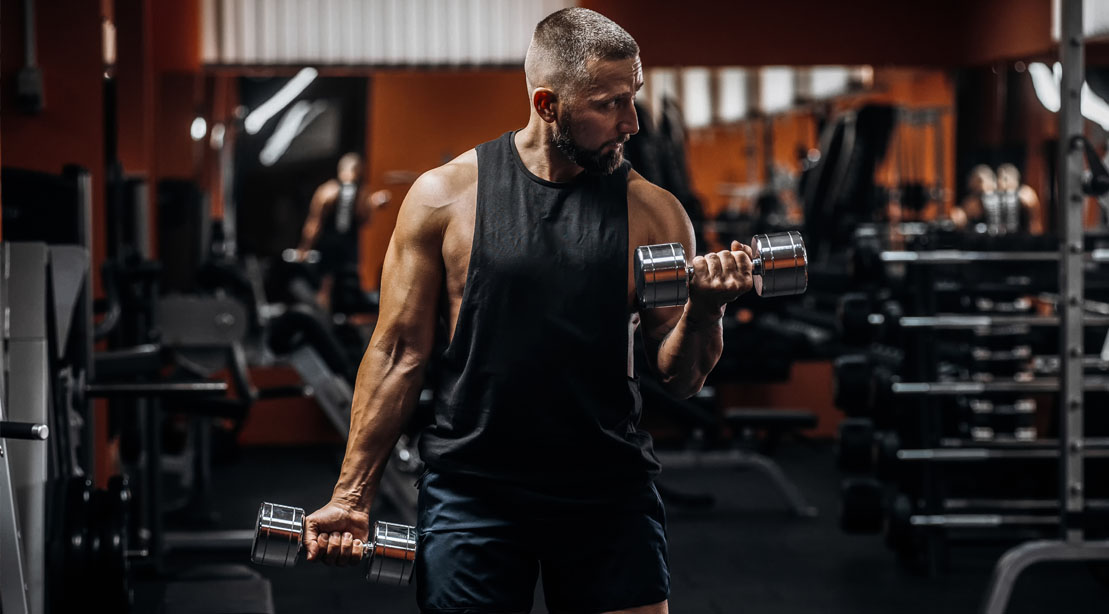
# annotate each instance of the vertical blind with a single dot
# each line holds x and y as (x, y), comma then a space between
(371, 32)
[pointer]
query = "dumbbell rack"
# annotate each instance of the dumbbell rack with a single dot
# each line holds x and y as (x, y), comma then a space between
(1071, 544)
(920, 525)
(923, 399)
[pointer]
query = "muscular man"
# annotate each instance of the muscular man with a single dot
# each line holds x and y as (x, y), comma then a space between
(998, 204)
(981, 195)
(1015, 196)
(522, 248)
(339, 209)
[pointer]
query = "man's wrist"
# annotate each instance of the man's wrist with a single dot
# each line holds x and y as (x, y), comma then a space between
(698, 317)
(355, 500)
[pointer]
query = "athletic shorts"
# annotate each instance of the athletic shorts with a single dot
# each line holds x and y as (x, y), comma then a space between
(483, 544)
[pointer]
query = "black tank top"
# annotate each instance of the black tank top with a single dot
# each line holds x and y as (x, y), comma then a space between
(339, 228)
(534, 388)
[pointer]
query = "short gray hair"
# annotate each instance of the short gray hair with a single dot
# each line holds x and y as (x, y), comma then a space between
(1008, 171)
(566, 40)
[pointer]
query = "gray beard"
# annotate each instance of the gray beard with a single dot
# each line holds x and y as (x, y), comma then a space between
(592, 160)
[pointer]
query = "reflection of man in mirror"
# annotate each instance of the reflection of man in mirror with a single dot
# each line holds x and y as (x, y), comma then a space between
(981, 195)
(999, 204)
(1020, 198)
(339, 209)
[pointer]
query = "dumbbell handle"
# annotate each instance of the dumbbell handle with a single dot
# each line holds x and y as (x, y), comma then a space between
(756, 267)
(368, 548)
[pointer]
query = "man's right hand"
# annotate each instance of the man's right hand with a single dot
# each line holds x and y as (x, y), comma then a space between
(335, 534)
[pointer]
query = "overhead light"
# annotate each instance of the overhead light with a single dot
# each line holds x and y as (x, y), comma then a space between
(1094, 107)
(258, 117)
(1047, 88)
(291, 125)
(1046, 81)
(198, 129)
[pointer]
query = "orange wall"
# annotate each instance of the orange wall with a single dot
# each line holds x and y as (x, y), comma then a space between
(176, 35)
(70, 128)
(724, 154)
(1000, 29)
(813, 32)
(289, 421)
(421, 119)
(134, 76)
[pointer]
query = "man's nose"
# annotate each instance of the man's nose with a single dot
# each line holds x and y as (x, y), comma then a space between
(629, 123)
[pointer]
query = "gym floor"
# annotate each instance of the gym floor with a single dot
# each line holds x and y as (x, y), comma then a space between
(746, 554)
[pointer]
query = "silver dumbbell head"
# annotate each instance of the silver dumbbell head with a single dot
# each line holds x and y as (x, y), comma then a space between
(278, 535)
(661, 275)
(785, 264)
(392, 554)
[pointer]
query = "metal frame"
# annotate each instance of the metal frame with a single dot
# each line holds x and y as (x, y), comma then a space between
(1071, 545)
(13, 586)
(27, 367)
(742, 459)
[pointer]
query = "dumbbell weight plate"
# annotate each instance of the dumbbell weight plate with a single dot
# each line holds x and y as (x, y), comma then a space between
(862, 506)
(114, 545)
(77, 553)
(855, 452)
(661, 275)
(785, 264)
(852, 380)
(394, 554)
(277, 536)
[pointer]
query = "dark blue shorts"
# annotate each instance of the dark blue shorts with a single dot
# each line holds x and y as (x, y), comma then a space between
(483, 544)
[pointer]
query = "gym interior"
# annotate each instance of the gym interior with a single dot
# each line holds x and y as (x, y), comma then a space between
(908, 413)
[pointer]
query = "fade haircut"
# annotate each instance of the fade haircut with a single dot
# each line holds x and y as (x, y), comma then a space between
(1008, 171)
(566, 41)
(350, 161)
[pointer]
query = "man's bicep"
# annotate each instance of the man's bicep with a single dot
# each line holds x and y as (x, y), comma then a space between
(412, 274)
(667, 222)
(655, 325)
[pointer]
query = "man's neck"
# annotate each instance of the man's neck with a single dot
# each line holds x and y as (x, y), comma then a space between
(533, 143)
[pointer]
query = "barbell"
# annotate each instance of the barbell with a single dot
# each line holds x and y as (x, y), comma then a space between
(662, 275)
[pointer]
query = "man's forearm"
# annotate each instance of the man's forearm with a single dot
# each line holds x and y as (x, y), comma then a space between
(385, 393)
(690, 351)
(308, 237)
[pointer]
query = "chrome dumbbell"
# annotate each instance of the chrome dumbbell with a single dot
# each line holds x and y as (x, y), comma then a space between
(279, 539)
(781, 267)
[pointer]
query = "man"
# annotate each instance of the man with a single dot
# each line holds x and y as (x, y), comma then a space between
(998, 204)
(523, 247)
(339, 209)
(1015, 196)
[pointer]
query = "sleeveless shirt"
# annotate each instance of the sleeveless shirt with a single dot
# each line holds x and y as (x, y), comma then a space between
(533, 388)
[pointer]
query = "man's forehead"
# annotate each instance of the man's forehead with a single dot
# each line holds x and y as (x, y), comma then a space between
(615, 74)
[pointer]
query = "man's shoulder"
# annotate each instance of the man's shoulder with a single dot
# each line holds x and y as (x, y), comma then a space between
(643, 194)
(657, 212)
(328, 190)
(444, 184)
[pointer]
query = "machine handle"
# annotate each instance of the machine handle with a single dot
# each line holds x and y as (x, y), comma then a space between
(23, 430)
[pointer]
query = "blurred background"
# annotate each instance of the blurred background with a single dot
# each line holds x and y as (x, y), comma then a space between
(875, 444)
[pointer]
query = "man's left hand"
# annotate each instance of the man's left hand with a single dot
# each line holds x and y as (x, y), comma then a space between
(718, 279)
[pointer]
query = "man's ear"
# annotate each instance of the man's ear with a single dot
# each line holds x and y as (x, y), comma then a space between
(545, 102)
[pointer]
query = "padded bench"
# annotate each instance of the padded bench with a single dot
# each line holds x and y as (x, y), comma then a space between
(219, 589)
(770, 419)
(774, 422)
